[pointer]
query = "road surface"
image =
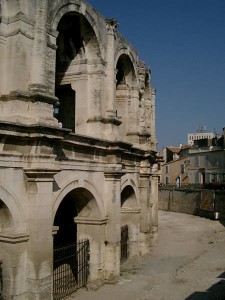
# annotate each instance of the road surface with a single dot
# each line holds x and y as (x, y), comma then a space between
(187, 261)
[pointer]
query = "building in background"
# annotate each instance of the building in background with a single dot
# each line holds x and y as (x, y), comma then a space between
(201, 134)
(201, 164)
(174, 168)
(207, 162)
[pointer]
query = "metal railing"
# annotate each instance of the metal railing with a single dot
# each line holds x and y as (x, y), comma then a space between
(71, 268)
(124, 244)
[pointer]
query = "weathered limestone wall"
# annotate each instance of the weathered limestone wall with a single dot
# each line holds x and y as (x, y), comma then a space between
(184, 201)
(77, 127)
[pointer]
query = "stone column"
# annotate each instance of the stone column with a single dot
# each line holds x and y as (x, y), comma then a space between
(111, 26)
(145, 219)
(113, 226)
(131, 217)
(110, 119)
(133, 116)
(38, 74)
(93, 229)
(40, 245)
(153, 135)
(3, 57)
(154, 198)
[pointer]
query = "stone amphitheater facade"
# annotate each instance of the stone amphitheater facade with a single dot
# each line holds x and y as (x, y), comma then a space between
(77, 143)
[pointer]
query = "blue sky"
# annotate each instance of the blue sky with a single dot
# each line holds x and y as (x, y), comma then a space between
(183, 41)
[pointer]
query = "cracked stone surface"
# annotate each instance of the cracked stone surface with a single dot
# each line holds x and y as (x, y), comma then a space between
(187, 261)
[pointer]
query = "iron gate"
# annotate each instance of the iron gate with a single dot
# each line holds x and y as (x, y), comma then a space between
(71, 268)
(124, 244)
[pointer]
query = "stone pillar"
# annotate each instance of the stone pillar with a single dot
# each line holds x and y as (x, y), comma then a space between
(113, 226)
(133, 117)
(13, 253)
(111, 121)
(154, 199)
(40, 245)
(3, 58)
(94, 230)
(111, 26)
(38, 74)
(145, 219)
(131, 217)
(153, 135)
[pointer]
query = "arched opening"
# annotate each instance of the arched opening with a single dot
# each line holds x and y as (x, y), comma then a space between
(125, 81)
(128, 197)
(71, 255)
(77, 51)
(5, 217)
(130, 217)
(77, 203)
(64, 220)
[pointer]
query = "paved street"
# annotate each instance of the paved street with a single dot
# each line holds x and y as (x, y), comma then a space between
(187, 262)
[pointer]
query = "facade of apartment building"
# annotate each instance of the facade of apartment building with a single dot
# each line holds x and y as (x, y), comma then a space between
(175, 172)
(207, 161)
(202, 163)
(77, 145)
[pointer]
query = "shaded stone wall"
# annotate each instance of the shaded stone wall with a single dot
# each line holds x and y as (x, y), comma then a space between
(184, 201)
(201, 202)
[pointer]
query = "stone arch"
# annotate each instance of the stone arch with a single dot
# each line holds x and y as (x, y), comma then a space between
(65, 7)
(127, 93)
(130, 214)
(123, 51)
(78, 63)
(77, 184)
(12, 208)
(88, 221)
(127, 182)
(125, 71)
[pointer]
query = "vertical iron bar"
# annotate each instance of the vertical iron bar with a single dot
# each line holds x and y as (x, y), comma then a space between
(71, 264)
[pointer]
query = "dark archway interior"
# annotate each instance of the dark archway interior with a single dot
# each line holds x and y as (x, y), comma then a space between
(69, 41)
(65, 113)
(125, 70)
(64, 219)
(127, 196)
(79, 202)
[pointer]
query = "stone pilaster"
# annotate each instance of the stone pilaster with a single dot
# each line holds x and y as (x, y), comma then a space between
(153, 133)
(93, 229)
(13, 253)
(111, 120)
(113, 226)
(131, 217)
(40, 249)
(154, 198)
(145, 219)
(38, 75)
(133, 117)
(111, 26)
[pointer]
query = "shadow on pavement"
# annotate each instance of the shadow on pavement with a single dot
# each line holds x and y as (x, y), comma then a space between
(215, 292)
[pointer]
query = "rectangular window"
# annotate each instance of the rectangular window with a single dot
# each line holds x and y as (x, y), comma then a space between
(182, 168)
(167, 180)
(167, 169)
(196, 161)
